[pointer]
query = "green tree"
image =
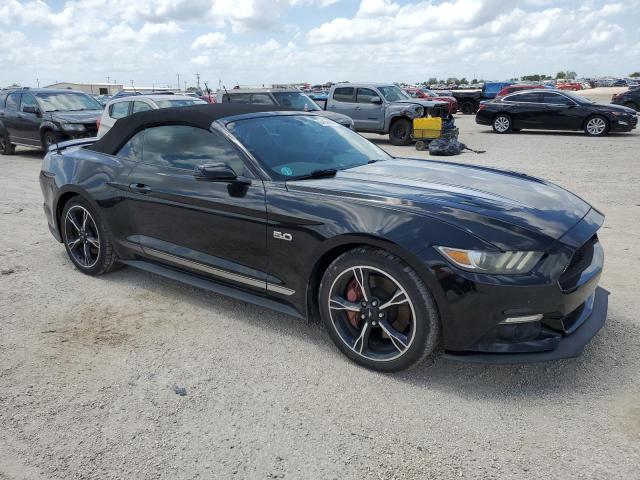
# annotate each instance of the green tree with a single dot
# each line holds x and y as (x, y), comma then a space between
(635, 75)
(475, 80)
(464, 80)
(453, 80)
(432, 80)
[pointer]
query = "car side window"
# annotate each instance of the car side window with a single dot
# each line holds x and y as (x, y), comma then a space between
(343, 94)
(239, 98)
(28, 100)
(524, 98)
(119, 110)
(261, 99)
(556, 99)
(365, 95)
(3, 98)
(185, 147)
(13, 100)
(132, 150)
(141, 107)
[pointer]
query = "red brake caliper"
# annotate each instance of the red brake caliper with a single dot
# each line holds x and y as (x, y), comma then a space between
(353, 294)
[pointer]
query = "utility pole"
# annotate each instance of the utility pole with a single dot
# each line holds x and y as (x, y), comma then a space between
(185, 85)
(178, 81)
(198, 77)
(107, 78)
(38, 82)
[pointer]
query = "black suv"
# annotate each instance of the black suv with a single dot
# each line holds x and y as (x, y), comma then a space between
(40, 117)
(630, 98)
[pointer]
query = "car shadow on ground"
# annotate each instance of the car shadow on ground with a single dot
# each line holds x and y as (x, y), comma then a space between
(557, 133)
(600, 358)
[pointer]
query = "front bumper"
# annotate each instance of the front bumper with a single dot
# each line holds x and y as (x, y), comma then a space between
(624, 124)
(568, 346)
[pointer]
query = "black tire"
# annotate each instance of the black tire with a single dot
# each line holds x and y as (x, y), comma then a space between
(467, 107)
(515, 129)
(49, 138)
(632, 105)
(96, 232)
(596, 126)
(6, 148)
(400, 132)
(413, 317)
(502, 123)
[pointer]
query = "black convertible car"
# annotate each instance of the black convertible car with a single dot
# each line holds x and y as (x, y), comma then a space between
(554, 110)
(296, 213)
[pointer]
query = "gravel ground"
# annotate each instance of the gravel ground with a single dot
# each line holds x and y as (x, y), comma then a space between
(88, 365)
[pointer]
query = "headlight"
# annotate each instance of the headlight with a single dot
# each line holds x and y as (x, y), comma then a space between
(491, 262)
(419, 111)
(73, 127)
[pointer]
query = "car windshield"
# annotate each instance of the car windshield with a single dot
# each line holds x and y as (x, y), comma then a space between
(296, 100)
(67, 102)
(178, 102)
(292, 146)
(577, 98)
(393, 93)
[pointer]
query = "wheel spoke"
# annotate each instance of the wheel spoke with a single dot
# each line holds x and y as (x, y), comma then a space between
(339, 303)
(363, 339)
(74, 243)
(87, 254)
(73, 222)
(362, 277)
(398, 298)
(93, 241)
(399, 340)
(85, 215)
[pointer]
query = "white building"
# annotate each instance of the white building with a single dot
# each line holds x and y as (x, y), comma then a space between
(91, 88)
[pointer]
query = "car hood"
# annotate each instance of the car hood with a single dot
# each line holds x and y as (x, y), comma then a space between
(336, 117)
(419, 101)
(85, 116)
(614, 108)
(477, 199)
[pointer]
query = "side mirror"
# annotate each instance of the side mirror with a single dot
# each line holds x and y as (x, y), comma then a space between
(30, 109)
(216, 172)
(377, 100)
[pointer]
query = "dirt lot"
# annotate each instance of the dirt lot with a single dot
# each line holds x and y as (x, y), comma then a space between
(88, 365)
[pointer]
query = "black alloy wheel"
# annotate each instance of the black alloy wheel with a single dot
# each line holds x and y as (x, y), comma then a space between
(378, 311)
(400, 133)
(86, 238)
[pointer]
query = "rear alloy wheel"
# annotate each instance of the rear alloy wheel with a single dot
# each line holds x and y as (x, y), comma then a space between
(378, 311)
(596, 126)
(502, 124)
(6, 148)
(86, 238)
(400, 133)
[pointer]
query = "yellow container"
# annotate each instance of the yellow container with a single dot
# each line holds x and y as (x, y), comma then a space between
(427, 127)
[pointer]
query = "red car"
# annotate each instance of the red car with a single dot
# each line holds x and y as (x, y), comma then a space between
(569, 86)
(431, 95)
(515, 88)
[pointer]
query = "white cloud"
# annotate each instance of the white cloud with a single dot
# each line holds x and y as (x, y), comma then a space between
(209, 40)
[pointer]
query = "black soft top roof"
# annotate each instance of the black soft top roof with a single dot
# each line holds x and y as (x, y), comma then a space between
(200, 116)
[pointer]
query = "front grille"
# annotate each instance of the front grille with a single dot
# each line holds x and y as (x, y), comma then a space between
(634, 121)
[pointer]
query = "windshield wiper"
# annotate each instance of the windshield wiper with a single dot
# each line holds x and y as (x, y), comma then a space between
(374, 160)
(327, 172)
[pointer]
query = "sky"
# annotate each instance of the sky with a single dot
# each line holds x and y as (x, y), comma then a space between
(254, 42)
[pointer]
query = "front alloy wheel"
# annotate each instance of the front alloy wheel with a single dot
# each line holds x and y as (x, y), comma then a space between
(6, 148)
(596, 126)
(378, 311)
(502, 124)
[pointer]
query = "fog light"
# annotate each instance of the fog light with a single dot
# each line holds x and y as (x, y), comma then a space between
(527, 318)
